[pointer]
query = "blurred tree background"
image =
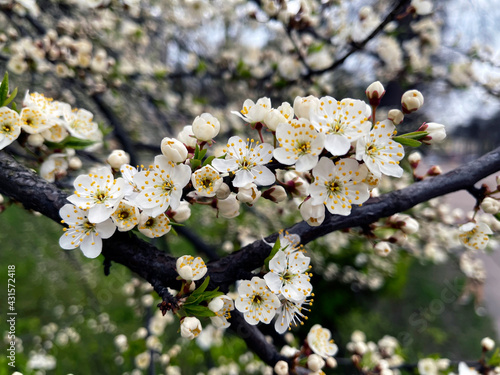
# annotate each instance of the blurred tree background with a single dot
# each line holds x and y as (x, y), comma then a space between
(147, 68)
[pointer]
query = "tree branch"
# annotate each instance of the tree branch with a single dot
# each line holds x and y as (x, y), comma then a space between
(158, 268)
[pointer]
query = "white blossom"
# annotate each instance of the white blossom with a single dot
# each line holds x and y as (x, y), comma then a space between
(81, 232)
(191, 268)
(320, 342)
(379, 152)
(247, 161)
(98, 192)
(338, 185)
(300, 144)
(254, 112)
(474, 236)
(256, 301)
(161, 186)
(190, 327)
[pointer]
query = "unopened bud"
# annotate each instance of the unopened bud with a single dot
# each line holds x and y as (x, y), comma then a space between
(35, 140)
(314, 215)
(435, 170)
(315, 362)
(75, 163)
(382, 248)
(273, 118)
(303, 106)
(331, 362)
(375, 92)
(182, 213)
(223, 191)
(414, 159)
(436, 132)
(490, 205)
(174, 150)
(275, 193)
(411, 101)
(487, 344)
(248, 194)
(396, 116)
(117, 158)
(281, 368)
(206, 127)
(229, 207)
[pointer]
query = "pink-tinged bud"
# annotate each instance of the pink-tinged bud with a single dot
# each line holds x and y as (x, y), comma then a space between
(414, 159)
(396, 116)
(275, 193)
(436, 132)
(411, 101)
(375, 92)
(435, 170)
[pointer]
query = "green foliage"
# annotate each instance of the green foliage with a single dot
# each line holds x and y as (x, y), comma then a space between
(193, 306)
(274, 250)
(70, 142)
(411, 139)
(5, 98)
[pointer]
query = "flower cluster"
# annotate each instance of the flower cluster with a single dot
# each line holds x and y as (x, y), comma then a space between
(282, 292)
(44, 119)
(335, 143)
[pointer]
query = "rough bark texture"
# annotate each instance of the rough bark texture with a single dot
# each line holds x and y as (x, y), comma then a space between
(155, 266)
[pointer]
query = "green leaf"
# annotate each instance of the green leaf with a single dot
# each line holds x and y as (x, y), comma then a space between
(202, 287)
(193, 300)
(315, 47)
(208, 160)
(202, 154)
(199, 311)
(495, 358)
(407, 141)
(274, 250)
(71, 142)
(497, 216)
(414, 135)
(195, 163)
(196, 152)
(4, 88)
(207, 296)
(10, 98)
